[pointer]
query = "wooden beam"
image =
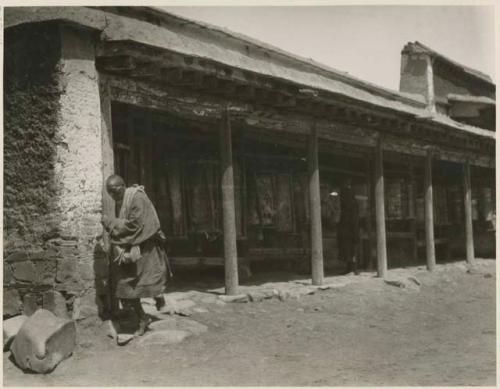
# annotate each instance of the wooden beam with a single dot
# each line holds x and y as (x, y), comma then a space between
(228, 207)
(181, 102)
(429, 214)
(284, 101)
(119, 63)
(246, 91)
(380, 210)
(317, 272)
(469, 235)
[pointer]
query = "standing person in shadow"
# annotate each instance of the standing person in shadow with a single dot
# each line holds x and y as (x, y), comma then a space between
(348, 227)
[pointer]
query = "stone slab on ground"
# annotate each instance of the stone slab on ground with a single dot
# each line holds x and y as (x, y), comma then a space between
(180, 305)
(162, 337)
(403, 282)
(262, 294)
(10, 329)
(43, 342)
(123, 339)
(239, 298)
(152, 311)
(111, 328)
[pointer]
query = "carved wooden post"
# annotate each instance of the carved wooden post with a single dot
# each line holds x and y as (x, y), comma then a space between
(380, 211)
(315, 206)
(469, 237)
(429, 214)
(228, 207)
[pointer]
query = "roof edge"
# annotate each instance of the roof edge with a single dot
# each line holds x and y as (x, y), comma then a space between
(417, 47)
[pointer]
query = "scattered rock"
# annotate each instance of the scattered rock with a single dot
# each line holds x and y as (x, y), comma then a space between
(43, 341)
(10, 329)
(302, 282)
(211, 299)
(180, 324)
(163, 337)
(86, 344)
(306, 290)
(260, 295)
(172, 306)
(181, 305)
(152, 311)
(395, 282)
(11, 302)
(473, 270)
(239, 298)
(55, 302)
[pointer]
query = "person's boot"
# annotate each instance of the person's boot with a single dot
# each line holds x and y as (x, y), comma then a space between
(143, 319)
(160, 302)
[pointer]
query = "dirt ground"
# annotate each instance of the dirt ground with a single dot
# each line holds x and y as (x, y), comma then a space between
(365, 333)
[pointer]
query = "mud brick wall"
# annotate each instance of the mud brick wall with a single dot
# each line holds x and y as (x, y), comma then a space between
(413, 75)
(52, 169)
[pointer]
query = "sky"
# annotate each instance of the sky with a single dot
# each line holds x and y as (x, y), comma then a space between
(365, 41)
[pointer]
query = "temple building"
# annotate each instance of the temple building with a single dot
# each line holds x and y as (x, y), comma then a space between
(241, 146)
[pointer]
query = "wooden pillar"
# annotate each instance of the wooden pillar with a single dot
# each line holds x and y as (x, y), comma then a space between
(105, 279)
(469, 238)
(369, 213)
(315, 207)
(228, 207)
(380, 211)
(429, 214)
(413, 212)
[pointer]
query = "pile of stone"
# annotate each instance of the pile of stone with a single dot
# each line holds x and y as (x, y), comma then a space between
(169, 324)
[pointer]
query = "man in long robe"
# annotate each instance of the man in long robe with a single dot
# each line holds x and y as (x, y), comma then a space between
(137, 249)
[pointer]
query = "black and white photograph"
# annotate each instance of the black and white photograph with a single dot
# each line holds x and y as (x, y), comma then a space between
(249, 195)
